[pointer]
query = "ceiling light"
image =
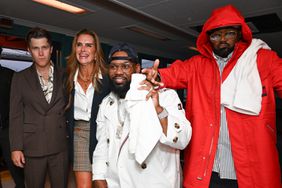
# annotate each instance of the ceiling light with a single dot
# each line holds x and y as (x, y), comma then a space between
(62, 6)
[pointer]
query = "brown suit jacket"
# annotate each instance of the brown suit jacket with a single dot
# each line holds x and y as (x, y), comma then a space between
(36, 127)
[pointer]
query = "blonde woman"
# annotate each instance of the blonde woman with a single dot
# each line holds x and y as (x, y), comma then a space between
(87, 84)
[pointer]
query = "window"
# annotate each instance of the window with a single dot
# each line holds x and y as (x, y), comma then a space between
(145, 63)
(15, 59)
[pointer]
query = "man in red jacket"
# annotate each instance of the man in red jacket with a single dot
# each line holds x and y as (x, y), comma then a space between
(230, 104)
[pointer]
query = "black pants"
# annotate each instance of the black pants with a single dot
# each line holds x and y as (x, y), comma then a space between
(16, 172)
(216, 182)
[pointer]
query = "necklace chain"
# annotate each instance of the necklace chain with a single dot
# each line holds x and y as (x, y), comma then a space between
(84, 82)
(121, 118)
(85, 79)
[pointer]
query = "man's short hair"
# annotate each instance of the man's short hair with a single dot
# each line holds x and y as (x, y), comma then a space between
(38, 33)
(131, 53)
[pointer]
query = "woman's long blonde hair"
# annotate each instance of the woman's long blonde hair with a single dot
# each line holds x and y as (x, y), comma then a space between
(73, 64)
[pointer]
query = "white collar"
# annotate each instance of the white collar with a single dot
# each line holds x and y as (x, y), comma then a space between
(225, 59)
(76, 74)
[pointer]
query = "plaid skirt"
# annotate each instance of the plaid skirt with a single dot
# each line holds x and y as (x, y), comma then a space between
(81, 161)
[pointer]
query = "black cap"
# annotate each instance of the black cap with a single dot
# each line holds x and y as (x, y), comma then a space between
(131, 53)
(238, 27)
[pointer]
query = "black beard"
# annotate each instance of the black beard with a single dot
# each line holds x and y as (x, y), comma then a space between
(223, 52)
(119, 90)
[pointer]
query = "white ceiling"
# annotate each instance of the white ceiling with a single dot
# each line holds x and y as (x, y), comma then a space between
(170, 18)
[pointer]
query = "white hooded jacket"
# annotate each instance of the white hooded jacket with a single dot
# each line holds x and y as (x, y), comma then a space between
(113, 162)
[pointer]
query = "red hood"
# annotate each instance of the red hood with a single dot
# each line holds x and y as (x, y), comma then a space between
(222, 17)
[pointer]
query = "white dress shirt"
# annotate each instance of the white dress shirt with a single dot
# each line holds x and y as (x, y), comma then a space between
(82, 100)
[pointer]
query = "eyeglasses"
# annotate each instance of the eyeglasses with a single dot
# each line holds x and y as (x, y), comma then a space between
(217, 36)
(124, 67)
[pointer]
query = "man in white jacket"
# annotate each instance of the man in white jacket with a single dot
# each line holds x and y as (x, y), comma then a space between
(139, 138)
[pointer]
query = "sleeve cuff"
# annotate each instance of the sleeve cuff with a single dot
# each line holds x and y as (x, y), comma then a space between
(98, 177)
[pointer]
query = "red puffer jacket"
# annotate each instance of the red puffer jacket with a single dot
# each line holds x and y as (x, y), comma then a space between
(253, 138)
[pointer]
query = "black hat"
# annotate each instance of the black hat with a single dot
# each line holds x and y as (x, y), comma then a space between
(238, 27)
(131, 53)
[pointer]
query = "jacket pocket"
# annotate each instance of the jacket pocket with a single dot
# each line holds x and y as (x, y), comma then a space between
(29, 128)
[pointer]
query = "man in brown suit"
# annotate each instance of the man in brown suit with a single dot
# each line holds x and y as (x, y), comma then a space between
(38, 132)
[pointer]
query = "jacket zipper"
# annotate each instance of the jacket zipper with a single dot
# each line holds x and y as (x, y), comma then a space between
(216, 120)
(207, 158)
